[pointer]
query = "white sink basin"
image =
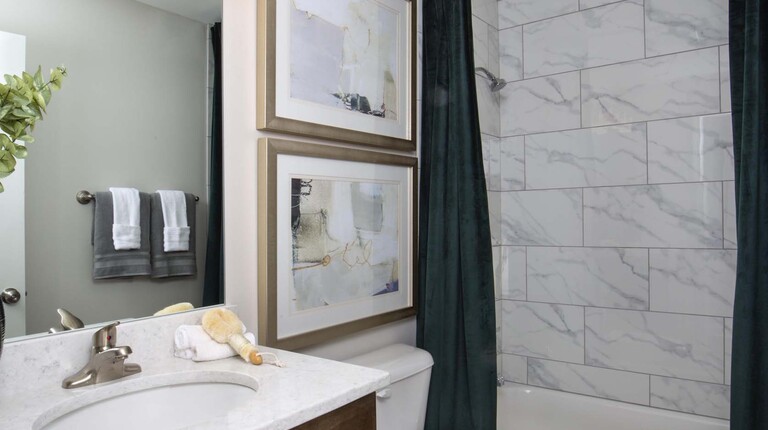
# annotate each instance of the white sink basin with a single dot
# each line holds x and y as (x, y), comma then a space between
(153, 404)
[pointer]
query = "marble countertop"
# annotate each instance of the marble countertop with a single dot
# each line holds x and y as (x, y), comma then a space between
(307, 387)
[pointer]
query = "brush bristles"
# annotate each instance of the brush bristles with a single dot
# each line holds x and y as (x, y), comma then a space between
(225, 327)
(220, 324)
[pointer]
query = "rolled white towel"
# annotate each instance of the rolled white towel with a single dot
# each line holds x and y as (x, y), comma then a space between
(193, 343)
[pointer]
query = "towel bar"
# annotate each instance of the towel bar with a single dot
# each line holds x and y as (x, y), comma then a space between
(84, 197)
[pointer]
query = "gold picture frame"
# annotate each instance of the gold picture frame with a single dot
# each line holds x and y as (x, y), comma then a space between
(278, 111)
(282, 323)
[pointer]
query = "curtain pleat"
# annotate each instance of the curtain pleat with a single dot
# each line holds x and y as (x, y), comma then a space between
(749, 99)
(456, 321)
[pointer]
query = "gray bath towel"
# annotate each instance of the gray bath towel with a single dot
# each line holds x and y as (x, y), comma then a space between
(107, 262)
(176, 263)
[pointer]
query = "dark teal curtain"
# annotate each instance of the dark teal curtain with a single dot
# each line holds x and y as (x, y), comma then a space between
(749, 99)
(213, 286)
(456, 321)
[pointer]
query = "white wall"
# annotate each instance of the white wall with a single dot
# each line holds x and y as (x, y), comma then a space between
(12, 255)
(240, 171)
(131, 113)
(613, 181)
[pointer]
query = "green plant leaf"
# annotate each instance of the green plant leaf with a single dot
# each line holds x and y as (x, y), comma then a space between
(18, 99)
(28, 79)
(39, 77)
(7, 163)
(23, 101)
(4, 110)
(40, 101)
(18, 129)
(20, 152)
(30, 111)
(2, 189)
(57, 76)
(46, 92)
(8, 147)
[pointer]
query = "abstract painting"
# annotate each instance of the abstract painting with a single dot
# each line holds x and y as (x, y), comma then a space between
(343, 55)
(337, 241)
(345, 238)
(339, 69)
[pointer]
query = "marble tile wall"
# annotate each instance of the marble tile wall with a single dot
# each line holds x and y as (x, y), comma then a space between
(610, 172)
(497, 157)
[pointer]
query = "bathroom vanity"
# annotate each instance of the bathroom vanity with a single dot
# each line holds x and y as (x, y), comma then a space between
(308, 393)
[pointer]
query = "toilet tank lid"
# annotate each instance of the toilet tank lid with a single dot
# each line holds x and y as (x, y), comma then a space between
(400, 360)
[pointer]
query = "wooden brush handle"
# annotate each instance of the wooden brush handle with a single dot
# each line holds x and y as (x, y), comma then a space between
(246, 349)
(254, 356)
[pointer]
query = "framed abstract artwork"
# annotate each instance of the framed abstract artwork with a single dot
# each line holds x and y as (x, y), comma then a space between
(338, 69)
(337, 241)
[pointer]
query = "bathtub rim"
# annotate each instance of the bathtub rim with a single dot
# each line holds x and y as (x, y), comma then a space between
(636, 407)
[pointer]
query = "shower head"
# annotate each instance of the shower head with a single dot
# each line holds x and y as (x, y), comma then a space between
(496, 84)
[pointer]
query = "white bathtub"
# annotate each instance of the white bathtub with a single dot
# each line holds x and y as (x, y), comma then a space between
(522, 407)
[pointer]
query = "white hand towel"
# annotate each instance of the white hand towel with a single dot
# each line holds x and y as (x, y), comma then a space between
(126, 226)
(193, 343)
(176, 230)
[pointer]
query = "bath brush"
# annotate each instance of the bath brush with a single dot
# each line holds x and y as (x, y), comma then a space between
(172, 309)
(223, 326)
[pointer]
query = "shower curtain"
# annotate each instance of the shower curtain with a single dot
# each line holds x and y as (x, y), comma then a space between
(749, 100)
(213, 286)
(456, 321)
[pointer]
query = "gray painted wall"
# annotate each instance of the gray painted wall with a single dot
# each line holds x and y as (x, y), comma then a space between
(131, 113)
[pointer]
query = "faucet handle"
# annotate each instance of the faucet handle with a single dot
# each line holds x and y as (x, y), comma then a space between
(106, 337)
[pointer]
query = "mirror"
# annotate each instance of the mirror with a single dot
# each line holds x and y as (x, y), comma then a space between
(134, 111)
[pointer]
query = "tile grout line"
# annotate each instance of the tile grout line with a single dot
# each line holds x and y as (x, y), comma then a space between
(647, 156)
(724, 346)
(488, 47)
(525, 163)
(527, 380)
(722, 213)
(674, 248)
(683, 314)
(655, 184)
(581, 101)
(720, 78)
(574, 12)
(522, 52)
(486, 22)
(583, 220)
(526, 273)
(617, 124)
(649, 279)
(584, 308)
(636, 60)
(645, 35)
(649, 390)
(635, 372)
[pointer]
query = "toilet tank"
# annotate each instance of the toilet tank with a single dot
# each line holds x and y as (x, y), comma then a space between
(403, 404)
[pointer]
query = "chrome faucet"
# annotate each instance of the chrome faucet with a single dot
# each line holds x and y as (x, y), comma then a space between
(107, 361)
